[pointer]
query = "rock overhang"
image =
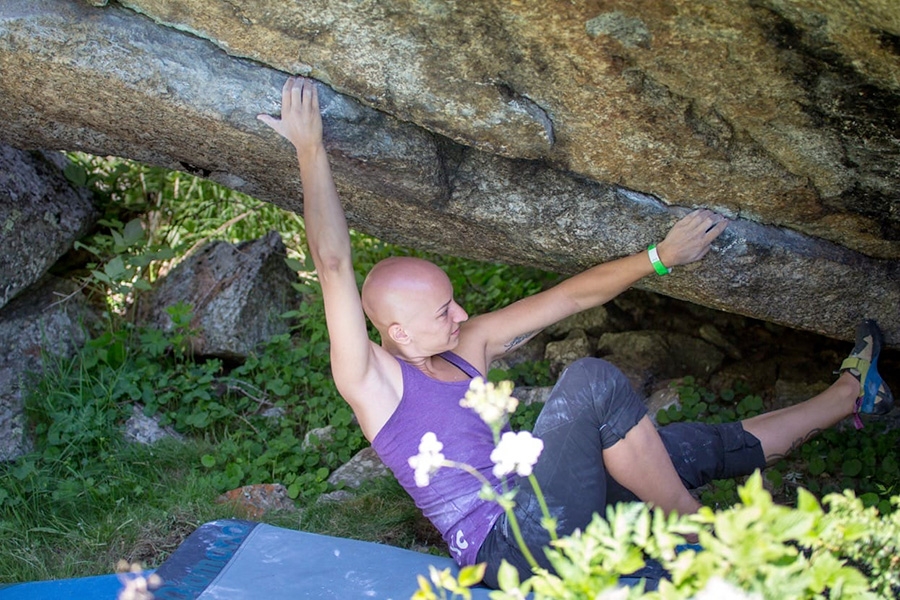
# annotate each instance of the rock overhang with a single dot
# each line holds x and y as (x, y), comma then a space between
(478, 152)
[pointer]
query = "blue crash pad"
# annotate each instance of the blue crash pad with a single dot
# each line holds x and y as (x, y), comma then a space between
(241, 560)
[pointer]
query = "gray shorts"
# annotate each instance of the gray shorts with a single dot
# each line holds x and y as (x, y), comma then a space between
(591, 408)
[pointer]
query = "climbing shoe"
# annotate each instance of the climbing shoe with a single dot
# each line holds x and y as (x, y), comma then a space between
(875, 396)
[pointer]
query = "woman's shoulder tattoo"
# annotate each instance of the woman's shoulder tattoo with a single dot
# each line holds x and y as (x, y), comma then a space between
(518, 340)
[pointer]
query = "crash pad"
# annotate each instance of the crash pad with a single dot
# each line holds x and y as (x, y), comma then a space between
(240, 560)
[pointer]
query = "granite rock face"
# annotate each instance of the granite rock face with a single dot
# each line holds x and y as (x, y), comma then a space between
(548, 133)
(41, 215)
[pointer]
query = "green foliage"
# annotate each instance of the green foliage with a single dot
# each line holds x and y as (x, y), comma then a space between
(201, 399)
(177, 209)
(866, 462)
(122, 259)
(866, 536)
(523, 419)
(152, 215)
(761, 547)
(756, 547)
(699, 404)
(525, 374)
(77, 428)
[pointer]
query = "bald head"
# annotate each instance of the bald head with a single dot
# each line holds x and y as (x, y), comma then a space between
(398, 286)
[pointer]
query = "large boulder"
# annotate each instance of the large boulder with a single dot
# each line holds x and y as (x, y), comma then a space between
(41, 215)
(547, 133)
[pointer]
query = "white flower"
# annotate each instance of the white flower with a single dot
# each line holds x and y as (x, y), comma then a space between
(136, 586)
(428, 460)
(517, 452)
(492, 402)
(719, 589)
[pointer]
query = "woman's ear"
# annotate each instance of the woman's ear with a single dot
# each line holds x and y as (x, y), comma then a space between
(398, 334)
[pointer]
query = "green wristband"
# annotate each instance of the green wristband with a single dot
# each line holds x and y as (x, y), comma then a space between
(661, 269)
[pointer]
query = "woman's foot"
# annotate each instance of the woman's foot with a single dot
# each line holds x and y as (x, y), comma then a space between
(875, 396)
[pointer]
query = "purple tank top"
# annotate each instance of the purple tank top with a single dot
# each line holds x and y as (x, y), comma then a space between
(451, 499)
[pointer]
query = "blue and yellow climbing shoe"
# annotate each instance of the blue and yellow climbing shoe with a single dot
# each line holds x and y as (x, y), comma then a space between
(875, 397)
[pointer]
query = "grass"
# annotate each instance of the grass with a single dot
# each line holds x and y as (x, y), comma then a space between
(45, 540)
(379, 511)
(55, 536)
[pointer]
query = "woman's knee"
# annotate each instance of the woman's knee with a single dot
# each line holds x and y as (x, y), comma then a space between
(596, 386)
(591, 369)
(602, 379)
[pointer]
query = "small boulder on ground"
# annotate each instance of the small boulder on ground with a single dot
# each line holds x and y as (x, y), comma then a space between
(237, 294)
(254, 501)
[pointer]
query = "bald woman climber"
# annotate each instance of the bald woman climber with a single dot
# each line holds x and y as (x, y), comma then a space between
(599, 445)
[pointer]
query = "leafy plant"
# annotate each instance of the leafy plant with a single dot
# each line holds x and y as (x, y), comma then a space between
(528, 374)
(756, 547)
(699, 404)
(866, 537)
(122, 258)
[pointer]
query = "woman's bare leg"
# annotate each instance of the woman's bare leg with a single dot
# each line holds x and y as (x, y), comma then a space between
(640, 462)
(782, 431)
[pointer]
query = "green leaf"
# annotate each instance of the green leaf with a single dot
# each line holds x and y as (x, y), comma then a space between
(199, 419)
(294, 490)
(852, 467)
(134, 232)
(816, 465)
(80, 246)
(472, 574)
(308, 264)
(808, 503)
(674, 413)
(208, 461)
(792, 525)
(507, 576)
(118, 241)
(115, 354)
(162, 254)
(76, 174)
(115, 268)
(101, 276)
(294, 264)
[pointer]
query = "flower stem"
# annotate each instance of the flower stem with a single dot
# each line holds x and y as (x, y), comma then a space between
(513, 522)
(517, 533)
(544, 510)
